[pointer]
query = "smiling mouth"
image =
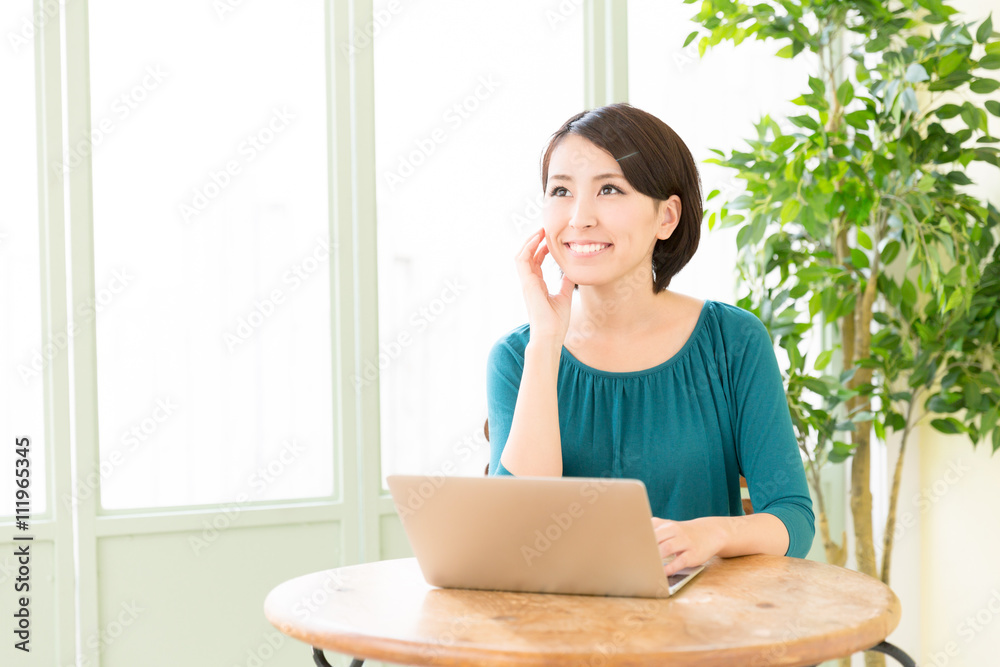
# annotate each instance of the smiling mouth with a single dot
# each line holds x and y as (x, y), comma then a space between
(587, 248)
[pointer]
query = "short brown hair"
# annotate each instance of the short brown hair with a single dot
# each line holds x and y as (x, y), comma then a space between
(656, 162)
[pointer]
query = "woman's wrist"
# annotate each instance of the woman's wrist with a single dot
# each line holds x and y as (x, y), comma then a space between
(545, 343)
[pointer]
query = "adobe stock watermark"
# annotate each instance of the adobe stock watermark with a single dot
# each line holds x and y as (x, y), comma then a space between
(775, 653)
(258, 481)
(968, 629)
(527, 219)
(418, 322)
(638, 279)
(686, 56)
(116, 627)
(456, 628)
(334, 581)
(364, 36)
(923, 500)
(22, 36)
(454, 117)
(562, 13)
(130, 439)
(8, 568)
(249, 148)
(264, 651)
(563, 521)
(112, 631)
(223, 8)
(122, 107)
(291, 280)
(464, 449)
(85, 312)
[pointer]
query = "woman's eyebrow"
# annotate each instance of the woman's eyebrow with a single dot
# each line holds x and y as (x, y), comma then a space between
(564, 177)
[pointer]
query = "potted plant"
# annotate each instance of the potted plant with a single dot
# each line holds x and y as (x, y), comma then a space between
(854, 217)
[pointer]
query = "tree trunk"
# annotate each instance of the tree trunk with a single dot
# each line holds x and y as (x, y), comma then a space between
(861, 494)
(856, 341)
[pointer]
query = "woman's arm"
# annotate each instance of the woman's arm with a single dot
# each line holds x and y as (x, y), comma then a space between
(530, 443)
(766, 444)
(695, 541)
(533, 445)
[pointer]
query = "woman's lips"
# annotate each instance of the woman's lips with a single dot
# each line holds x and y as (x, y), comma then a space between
(586, 249)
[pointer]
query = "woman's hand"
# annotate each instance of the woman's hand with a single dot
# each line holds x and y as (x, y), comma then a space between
(548, 315)
(692, 542)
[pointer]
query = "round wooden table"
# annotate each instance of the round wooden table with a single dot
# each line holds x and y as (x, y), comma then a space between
(752, 610)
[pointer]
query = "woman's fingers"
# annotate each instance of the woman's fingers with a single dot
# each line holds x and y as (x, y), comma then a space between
(528, 249)
(543, 249)
(566, 288)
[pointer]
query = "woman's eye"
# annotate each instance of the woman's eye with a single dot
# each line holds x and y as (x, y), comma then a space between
(555, 192)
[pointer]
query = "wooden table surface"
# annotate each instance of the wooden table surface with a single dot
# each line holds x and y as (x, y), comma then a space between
(752, 610)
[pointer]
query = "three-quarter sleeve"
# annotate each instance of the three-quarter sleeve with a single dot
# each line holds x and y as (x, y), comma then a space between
(766, 446)
(504, 368)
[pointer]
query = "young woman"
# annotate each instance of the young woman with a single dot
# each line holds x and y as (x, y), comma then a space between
(635, 380)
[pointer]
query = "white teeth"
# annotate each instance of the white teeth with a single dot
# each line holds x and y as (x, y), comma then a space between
(592, 247)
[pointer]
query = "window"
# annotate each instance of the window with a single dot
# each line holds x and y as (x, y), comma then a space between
(211, 251)
(459, 141)
(27, 354)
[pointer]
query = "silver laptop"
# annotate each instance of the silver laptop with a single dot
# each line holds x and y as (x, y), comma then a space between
(571, 535)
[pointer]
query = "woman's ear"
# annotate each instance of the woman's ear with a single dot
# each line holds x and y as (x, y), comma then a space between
(668, 214)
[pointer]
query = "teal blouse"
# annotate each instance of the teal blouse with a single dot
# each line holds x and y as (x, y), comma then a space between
(688, 428)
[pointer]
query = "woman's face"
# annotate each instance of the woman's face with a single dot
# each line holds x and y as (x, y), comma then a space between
(598, 228)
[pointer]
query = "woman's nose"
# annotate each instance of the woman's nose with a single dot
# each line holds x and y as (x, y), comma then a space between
(583, 217)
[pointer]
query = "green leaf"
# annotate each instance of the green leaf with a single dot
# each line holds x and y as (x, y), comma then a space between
(890, 251)
(985, 30)
(953, 300)
(711, 194)
(790, 209)
(949, 425)
(916, 73)
(943, 403)
(823, 360)
(958, 178)
(845, 93)
(859, 119)
(947, 111)
(950, 63)
(782, 143)
(806, 121)
(863, 240)
(991, 61)
(972, 397)
(859, 259)
(690, 37)
(785, 52)
(814, 384)
(984, 86)
(743, 236)
(815, 304)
